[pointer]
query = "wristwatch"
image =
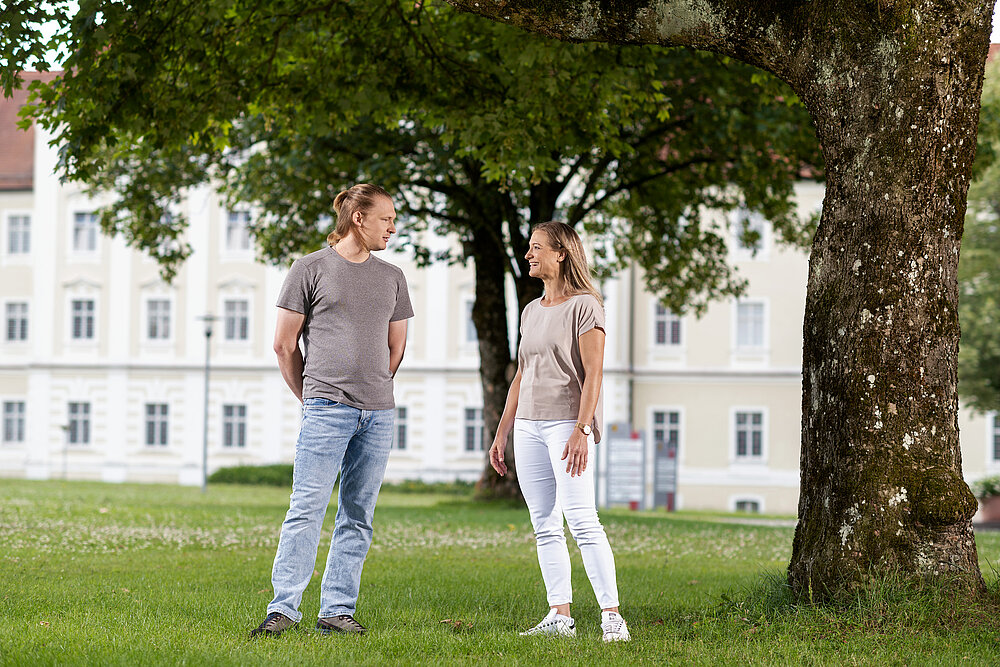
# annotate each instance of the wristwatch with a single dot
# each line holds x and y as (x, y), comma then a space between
(587, 430)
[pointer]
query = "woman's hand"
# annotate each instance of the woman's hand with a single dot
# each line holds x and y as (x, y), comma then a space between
(575, 453)
(496, 455)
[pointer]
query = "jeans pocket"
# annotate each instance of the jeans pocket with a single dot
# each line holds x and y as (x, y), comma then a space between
(319, 403)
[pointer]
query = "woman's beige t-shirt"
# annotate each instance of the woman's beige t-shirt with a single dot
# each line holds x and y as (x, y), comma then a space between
(552, 373)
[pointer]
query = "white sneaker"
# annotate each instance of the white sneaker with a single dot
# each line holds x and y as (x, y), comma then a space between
(553, 624)
(614, 627)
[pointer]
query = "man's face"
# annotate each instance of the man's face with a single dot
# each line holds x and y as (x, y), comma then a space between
(378, 224)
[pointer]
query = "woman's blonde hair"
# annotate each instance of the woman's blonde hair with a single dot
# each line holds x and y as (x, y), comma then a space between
(573, 269)
(361, 197)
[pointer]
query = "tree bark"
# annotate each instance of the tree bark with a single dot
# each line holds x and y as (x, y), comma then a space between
(881, 466)
(893, 89)
(489, 315)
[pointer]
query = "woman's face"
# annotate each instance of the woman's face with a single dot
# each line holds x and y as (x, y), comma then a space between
(543, 258)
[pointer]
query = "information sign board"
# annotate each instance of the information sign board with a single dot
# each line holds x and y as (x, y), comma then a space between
(665, 475)
(625, 469)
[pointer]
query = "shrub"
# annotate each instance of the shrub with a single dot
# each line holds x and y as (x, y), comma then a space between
(986, 487)
(456, 488)
(279, 474)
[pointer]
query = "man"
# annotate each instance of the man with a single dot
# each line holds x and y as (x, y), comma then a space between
(350, 309)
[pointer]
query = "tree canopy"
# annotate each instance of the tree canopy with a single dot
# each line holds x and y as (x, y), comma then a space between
(481, 129)
(286, 103)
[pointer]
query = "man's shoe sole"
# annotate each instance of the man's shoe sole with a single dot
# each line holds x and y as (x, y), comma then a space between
(264, 633)
(331, 630)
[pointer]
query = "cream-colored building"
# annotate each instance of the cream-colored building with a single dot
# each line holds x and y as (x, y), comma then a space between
(102, 364)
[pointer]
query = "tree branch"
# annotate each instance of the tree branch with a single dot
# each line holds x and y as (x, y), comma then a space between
(635, 183)
(762, 33)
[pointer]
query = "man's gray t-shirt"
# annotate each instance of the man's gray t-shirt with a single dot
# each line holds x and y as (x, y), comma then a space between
(348, 308)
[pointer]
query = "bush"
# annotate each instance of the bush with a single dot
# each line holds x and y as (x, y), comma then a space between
(986, 487)
(279, 474)
(456, 488)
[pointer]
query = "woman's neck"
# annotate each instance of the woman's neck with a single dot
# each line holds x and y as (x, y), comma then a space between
(556, 290)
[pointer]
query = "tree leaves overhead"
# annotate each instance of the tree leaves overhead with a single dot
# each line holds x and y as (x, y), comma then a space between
(286, 103)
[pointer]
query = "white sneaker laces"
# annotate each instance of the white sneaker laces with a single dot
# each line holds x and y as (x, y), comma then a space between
(613, 625)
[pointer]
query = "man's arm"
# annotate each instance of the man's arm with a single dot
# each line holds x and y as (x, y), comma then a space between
(397, 343)
(286, 346)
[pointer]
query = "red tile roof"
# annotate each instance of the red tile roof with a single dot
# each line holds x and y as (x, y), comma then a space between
(17, 146)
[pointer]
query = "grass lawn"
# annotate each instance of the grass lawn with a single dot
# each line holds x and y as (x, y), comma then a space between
(101, 574)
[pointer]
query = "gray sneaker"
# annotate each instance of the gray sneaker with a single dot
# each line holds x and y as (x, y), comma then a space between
(344, 624)
(273, 625)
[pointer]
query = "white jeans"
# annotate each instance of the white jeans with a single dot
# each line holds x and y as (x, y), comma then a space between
(550, 492)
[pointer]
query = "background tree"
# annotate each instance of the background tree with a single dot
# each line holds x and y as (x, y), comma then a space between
(979, 298)
(481, 129)
(893, 89)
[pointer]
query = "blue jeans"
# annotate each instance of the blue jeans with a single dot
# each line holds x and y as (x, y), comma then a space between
(334, 438)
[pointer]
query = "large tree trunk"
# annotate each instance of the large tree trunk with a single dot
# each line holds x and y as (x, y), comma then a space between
(881, 486)
(893, 89)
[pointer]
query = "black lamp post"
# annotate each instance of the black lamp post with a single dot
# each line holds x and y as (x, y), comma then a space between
(208, 320)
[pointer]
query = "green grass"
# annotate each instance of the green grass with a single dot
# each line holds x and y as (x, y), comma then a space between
(95, 574)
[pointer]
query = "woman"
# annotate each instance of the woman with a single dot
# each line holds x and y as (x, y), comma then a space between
(553, 406)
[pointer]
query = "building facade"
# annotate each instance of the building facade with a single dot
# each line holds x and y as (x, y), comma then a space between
(103, 364)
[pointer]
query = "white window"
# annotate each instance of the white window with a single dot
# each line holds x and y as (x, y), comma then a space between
(82, 319)
(749, 436)
(474, 429)
(85, 232)
(995, 437)
(750, 233)
(19, 234)
(234, 425)
(471, 336)
(158, 319)
(746, 505)
(79, 424)
(16, 320)
(236, 318)
(13, 421)
(156, 424)
(666, 327)
(667, 427)
(749, 325)
(399, 433)
(238, 230)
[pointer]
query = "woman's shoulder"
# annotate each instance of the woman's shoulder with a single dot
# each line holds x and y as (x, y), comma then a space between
(587, 301)
(534, 303)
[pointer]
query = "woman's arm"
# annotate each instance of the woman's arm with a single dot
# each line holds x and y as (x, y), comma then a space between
(505, 425)
(592, 355)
